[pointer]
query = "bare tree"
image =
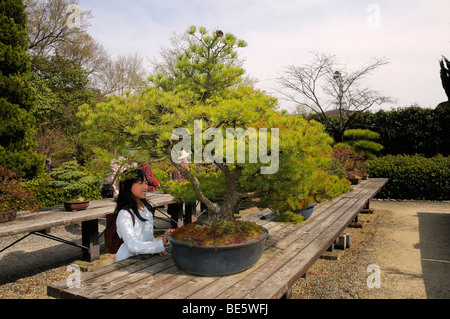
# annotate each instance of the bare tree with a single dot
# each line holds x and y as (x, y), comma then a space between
(324, 87)
(48, 27)
(50, 31)
(117, 76)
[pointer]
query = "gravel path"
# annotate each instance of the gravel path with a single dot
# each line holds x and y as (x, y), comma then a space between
(408, 241)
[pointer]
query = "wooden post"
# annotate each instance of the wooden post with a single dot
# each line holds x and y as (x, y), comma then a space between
(175, 211)
(288, 294)
(89, 233)
(190, 211)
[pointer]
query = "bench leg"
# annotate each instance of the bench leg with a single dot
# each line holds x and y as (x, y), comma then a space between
(89, 233)
(367, 205)
(288, 294)
(342, 242)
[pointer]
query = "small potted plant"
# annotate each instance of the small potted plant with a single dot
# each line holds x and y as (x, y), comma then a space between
(14, 196)
(354, 177)
(75, 183)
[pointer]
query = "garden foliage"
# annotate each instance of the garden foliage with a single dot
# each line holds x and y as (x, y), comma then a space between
(13, 195)
(362, 141)
(411, 130)
(412, 176)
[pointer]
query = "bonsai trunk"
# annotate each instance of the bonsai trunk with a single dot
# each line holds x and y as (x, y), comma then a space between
(218, 213)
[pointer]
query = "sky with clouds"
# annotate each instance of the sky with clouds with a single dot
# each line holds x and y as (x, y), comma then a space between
(411, 34)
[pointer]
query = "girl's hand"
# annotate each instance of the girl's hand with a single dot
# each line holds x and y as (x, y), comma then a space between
(165, 240)
(169, 231)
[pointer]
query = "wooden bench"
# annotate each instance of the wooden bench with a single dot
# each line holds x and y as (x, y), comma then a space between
(41, 223)
(290, 250)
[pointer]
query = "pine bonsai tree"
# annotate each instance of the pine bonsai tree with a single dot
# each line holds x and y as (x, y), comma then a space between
(69, 178)
(17, 127)
(299, 154)
(362, 141)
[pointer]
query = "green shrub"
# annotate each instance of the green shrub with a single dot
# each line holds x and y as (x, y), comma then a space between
(412, 176)
(362, 141)
(49, 196)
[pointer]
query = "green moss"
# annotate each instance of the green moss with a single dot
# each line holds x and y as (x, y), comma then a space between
(225, 233)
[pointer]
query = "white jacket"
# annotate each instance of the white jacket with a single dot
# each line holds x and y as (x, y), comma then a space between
(137, 239)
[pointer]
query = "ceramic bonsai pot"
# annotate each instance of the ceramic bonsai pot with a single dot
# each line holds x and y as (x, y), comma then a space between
(220, 260)
(7, 216)
(355, 181)
(75, 206)
(307, 212)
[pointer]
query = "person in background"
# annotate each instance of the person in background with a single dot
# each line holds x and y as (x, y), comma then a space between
(48, 165)
(147, 168)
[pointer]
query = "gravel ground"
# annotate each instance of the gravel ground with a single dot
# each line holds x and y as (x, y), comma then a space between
(409, 243)
(28, 267)
(346, 278)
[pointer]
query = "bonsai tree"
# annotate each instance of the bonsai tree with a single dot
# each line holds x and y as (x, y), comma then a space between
(242, 149)
(73, 181)
(362, 141)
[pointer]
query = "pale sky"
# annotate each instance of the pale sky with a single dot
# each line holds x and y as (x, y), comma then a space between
(411, 34)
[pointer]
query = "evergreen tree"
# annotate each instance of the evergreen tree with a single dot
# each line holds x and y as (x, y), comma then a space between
(445, 76)
(17, 126)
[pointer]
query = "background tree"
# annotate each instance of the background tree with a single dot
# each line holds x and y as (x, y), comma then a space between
(445, 76)
(17, 127)
(325, 88)
(126, 73)
(61, 86)
(50, 32)
(65, 61)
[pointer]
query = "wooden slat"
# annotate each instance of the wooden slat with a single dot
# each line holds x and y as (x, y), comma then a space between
(57, 288)
(103, 283)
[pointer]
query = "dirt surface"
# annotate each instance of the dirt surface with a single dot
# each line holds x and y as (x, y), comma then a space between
(407, 241)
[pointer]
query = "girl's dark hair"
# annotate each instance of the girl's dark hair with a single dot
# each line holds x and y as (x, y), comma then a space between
(126, 199)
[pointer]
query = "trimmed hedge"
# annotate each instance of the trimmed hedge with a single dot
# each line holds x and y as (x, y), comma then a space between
(412, 176)
(412, 130)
